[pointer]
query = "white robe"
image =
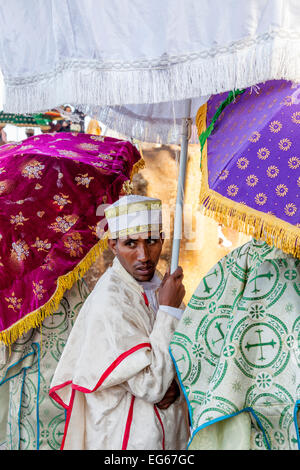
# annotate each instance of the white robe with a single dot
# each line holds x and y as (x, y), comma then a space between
(115, 367)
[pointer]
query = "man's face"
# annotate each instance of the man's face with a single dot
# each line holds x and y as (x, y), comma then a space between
(138, 254)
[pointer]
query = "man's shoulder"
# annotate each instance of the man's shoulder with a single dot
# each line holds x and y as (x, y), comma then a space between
(107, 278)
(113, 295)
(109, 283)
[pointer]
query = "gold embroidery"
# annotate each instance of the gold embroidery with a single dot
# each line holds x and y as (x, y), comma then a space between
(73, 244)
(275, 126)
(242, 163)
(261, 199)
(232, 190)
(294, 163)
(14, 303)
(41, 245)
(68, 153)
(296, 117)
(84, 180)
(33, 169)
(99, 138)
(252, 180)
(272, 171)
(87, 146)
(20, 250)
(63, 224)
(254, 137)
(281, 190)
(287, 101)
(284, 144)
(61, 200)
(263, 153)
(3, 187)
(38, 289)
(49, 263)
(290, 209)
(18, 219)
(105, 156)
(224, 174)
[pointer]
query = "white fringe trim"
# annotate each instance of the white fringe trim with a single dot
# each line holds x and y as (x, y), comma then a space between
(144, 129)
(245, 63)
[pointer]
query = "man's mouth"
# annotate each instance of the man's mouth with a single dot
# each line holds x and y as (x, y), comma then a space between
(145, 269)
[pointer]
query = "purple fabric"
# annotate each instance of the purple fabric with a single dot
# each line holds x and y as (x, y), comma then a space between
(50, 188)
(253, 151)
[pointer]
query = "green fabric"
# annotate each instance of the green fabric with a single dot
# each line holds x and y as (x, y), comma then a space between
(34, 120)
(205, 134)
(228, 434)
(237, 346)
(4, 391)
(33, 420)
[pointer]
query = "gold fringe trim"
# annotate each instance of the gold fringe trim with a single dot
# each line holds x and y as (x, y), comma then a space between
(138, 166)
(201, 119)
(127, 187)
(65, 282)
(240, 217)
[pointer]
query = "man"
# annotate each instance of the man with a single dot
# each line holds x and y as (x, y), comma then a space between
(116, 377)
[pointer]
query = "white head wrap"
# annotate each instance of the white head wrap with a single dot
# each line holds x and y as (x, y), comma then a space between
(134, 214)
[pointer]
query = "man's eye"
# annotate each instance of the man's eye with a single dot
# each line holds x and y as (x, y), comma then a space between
(130, 243)
(151, 241)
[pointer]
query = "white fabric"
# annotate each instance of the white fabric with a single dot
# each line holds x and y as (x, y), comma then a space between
(111, 52)
(174, 312)
(115, 320)
(150, 288)
(156, 122)
(128, 221)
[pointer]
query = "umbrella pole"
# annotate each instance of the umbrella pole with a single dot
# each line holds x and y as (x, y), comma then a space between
(186, 126)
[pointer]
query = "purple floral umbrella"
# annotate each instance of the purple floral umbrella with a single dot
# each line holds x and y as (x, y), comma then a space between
(250, 162)
(51, 188)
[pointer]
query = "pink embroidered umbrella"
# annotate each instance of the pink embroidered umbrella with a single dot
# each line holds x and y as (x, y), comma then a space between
(50, 188)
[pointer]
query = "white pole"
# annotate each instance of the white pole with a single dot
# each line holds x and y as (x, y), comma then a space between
(180, 187)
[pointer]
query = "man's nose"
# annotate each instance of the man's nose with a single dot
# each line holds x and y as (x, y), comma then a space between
(143, 253)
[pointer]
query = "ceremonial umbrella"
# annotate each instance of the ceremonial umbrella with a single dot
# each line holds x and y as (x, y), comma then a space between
(51, 186)
(250, 162)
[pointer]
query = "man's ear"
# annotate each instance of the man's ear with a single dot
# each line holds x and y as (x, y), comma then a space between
(112, 245)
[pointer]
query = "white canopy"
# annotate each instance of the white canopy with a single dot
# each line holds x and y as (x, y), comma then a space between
(112, 52)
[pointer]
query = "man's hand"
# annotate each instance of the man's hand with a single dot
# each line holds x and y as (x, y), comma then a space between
(172, 393)
(172, 291)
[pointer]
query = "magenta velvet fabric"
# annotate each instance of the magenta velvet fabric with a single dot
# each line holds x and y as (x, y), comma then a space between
(50, 188)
